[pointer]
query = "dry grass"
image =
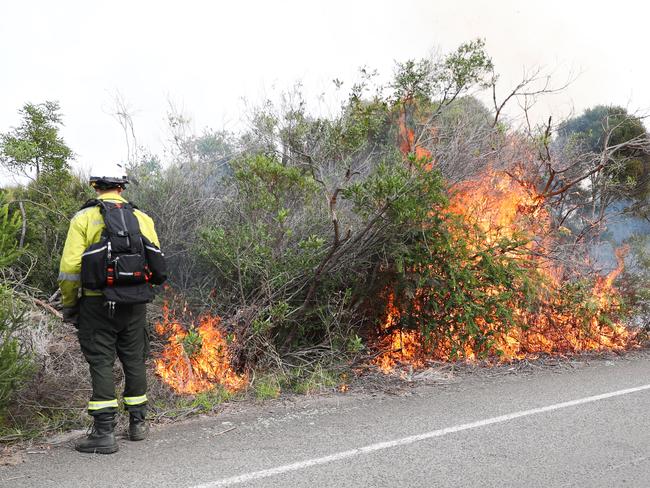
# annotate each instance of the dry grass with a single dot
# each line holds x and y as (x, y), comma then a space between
(54, 399)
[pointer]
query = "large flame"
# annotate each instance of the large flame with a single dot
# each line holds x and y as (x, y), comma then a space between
(197, 358)
(501, 205)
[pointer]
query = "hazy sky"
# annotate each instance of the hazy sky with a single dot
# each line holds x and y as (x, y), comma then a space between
(205, 56)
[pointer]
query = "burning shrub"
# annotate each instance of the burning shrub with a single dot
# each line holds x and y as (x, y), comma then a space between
(485, 286)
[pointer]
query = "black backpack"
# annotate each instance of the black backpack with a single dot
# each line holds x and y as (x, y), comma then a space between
(124, 263)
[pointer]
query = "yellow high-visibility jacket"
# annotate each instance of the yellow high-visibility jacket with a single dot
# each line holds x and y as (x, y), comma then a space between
(85, 229)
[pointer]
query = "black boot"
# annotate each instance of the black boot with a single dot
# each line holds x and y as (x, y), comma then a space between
(102, 437)
(138, 427)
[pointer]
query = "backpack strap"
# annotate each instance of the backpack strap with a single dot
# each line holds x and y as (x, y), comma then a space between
(93, 202)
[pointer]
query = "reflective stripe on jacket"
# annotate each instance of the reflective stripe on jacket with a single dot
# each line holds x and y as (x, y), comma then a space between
(85, 229)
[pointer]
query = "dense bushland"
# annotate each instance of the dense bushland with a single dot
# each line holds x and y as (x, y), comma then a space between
(299, 230)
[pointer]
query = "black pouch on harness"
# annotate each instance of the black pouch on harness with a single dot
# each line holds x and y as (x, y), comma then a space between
(129, 295)
(94, 265)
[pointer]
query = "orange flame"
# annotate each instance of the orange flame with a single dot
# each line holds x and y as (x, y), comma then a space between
(501, 206)
(406, 139)
(205, 366)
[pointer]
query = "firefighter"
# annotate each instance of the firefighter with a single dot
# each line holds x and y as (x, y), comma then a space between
(106, 331)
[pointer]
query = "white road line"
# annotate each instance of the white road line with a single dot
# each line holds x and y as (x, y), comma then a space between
(266, 473)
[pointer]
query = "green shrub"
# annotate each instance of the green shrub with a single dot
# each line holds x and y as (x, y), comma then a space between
(9, 228)
(15, 362)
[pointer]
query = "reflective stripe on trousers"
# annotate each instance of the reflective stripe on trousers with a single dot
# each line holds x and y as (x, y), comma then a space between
(99, 404)
(135, 400)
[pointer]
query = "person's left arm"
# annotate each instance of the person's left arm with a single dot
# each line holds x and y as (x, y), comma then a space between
(70, 269)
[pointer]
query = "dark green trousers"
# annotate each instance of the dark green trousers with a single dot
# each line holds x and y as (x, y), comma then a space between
(102, 338)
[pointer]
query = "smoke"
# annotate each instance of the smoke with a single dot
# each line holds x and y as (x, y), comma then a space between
(622, 227)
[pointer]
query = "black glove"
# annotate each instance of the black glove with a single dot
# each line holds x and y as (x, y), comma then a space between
(71, 315)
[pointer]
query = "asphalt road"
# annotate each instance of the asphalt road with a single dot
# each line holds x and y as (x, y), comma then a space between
(584, 425)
